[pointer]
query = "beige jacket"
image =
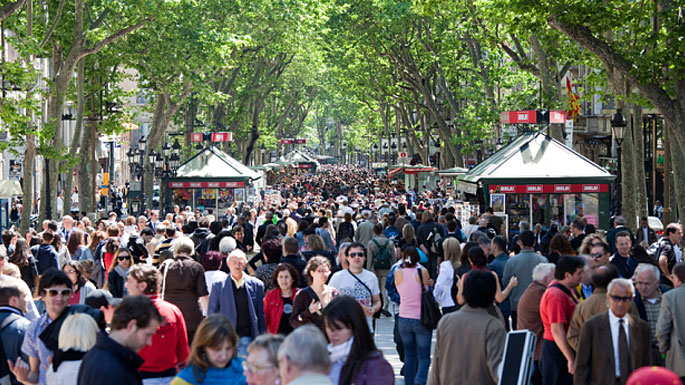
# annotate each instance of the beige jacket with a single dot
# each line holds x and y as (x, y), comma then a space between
(670, 329)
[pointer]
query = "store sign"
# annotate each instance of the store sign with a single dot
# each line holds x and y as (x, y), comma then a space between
(548, 188)
(196, 137)
(222, 136)
(302, 166)
(300, 141)
(206, 184)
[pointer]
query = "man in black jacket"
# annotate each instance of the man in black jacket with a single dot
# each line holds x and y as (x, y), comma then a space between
(134, 323)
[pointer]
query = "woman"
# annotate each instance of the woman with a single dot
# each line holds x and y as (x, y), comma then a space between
(23, 258)
(110, 250)
(81, 287)
(478, 260)
(408, 236)
(559, 246)
(416, 338)
(76, 337)
(345, 229)
(315, 246)
(62, 252)
(118, 273)
(278, 302)
(77, 246)
(445, 281)
(261, 365)
(272, 251)
(310, 301)
(301, 227)
(355, 359)
(213, 357)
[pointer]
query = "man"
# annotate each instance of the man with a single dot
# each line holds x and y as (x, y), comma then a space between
(167, 242)
(427, 236)
(261, 230)
(391, 231)
(667, 253)
(593, 305)
(141, 224)
(556, 307)
(645, 235)
(648, 302)
(13, 327)
(670, 328)
(226, 245)
(154, 220)
(364, 231)
(67, 225)
(539, 235)
(200, 236)
(473, 331)
(104, 301)
(578, 231)
(241, 299)
(485, 227)
(619, 225)
(622, 259)
(303, 358)
(528, 311)
(382, 254)
(55, 290)
(521, 266)
(358, 282)
(113, 359)
(613, 344)
(291, 247)
(46, 256)
(600, 253)
(169, 347)
(151, 244)
(499, 250)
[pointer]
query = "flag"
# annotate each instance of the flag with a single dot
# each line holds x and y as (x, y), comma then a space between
(573, 99)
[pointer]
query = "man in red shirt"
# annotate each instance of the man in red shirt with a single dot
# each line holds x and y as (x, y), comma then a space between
(169, 348)
(556, 309)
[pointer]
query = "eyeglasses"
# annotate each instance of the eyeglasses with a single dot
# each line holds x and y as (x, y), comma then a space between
(354, 255)
(252, 368)
(55, 292)
(597, 255)
(618, 298)
(123, 257)
(596, 244)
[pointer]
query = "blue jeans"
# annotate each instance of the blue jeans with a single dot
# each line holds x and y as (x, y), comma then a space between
(243, 342)
(416, 339)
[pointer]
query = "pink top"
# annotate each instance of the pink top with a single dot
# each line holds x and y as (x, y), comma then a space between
(410, 295)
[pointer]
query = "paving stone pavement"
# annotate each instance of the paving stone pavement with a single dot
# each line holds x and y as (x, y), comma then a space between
(384, 341)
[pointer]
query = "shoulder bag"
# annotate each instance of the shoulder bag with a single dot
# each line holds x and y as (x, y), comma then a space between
(430, 310)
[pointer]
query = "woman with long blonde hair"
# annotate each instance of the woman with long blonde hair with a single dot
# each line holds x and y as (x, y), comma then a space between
(213, 355)
(445, 280)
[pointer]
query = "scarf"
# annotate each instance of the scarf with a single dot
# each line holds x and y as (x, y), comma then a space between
(62, 356)
(340, 352)
(124, 274)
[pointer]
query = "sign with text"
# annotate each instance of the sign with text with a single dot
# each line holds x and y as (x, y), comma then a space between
(211, 136)
(548, 188)
(206, 184)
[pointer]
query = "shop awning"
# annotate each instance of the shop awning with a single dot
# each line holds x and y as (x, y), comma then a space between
(536, 156)
(454, 171)
(394, 171)
(215, 164)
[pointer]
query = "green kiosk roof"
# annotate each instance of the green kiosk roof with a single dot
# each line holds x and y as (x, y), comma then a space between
(536, 157)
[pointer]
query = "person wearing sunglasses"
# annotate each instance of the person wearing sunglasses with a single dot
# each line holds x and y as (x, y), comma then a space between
(118, 273)
(613, 337)
(81, 286)
(55, 289)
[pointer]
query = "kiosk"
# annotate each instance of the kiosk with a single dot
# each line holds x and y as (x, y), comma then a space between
(539, 179)
(211, 180)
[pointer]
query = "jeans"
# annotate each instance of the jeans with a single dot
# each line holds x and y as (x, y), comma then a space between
(243, 342)
(417, 348)
(158, 381)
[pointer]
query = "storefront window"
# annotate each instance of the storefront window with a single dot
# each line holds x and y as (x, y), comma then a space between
(518, 208)
(205, 198)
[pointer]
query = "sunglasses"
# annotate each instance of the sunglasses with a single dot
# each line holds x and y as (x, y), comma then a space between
(597, 255)
(618, 298)
(597, 244)
(354, 255)
(55, 292)
(124, 258)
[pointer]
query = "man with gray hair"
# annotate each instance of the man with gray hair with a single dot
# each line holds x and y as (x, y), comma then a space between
(226, 246)
(648, 301)
(303, 358)
(629, 339)
(529, 310)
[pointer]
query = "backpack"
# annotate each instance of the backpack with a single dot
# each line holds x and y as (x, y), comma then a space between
(4, 368)
(434, 239)
(653, 251)
(382, 259)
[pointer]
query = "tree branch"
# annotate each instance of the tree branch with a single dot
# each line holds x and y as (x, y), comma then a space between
(58, 17)
(8, 9)
(112, 38)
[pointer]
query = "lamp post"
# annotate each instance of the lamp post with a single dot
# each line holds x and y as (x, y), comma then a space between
(618, 127)
(385, 149)
(393, 146)
(262, 150)
(170, 158)
(375, 152)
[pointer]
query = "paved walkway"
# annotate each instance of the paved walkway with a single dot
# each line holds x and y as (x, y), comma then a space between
(384, 341)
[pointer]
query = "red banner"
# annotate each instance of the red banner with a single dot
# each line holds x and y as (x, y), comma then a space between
(286, 141)
(548, 188)
(557, 117)
(206, 184)
(300, 141)
(302, 166)
(197, 137)
(222, 137)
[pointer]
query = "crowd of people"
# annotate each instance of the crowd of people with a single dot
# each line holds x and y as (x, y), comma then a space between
(289, 291)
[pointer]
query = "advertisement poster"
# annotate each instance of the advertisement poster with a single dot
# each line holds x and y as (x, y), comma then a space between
(239, 195)
(497, 203)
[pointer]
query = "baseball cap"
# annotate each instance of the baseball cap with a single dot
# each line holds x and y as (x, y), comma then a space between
(98, 298)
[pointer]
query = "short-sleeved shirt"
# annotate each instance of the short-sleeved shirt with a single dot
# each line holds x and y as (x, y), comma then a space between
(555, 307)
(346, 284)
(33, 346)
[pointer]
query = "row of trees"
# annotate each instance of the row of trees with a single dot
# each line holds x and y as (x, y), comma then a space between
(338, 71)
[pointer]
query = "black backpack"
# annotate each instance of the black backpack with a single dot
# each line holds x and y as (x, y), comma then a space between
(382, 260)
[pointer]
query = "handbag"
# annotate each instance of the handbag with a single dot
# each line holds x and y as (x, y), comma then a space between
(430, 310)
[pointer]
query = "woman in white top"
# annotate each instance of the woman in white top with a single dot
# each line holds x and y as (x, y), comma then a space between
(445, 280)
(76, 337)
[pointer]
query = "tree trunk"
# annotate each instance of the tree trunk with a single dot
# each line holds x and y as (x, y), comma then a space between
(628, 177)
(639, 160)
(77, 137)
(28, 166)
(88, 165)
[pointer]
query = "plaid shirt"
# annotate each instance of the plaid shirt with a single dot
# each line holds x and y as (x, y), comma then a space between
(652, 311)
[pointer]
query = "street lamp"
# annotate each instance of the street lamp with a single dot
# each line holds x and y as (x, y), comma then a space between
(393, 146)
(375, 152)
(618, 127)
(262, 150)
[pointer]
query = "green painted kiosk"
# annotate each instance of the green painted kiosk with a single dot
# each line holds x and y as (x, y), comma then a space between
(539, 179)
